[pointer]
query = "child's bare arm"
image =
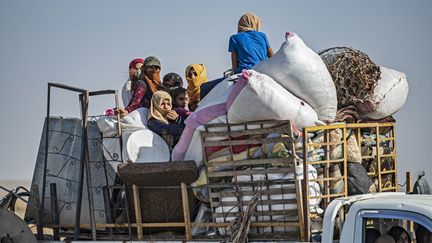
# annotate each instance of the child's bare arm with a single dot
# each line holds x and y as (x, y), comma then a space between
(269, 52)
(234, 60)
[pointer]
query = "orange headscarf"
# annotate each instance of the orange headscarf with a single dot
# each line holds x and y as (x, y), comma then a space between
(194, 84)
(249, 21)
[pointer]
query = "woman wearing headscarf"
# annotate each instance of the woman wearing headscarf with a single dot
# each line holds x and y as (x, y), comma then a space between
(162, 119)
(196, 74)
(146, 85)
(134, 73)
(172, 80)
(249, 46)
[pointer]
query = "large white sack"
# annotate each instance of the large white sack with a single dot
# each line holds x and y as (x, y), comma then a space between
(146, 146)
(137, 117)
(301, 71)
(257, 97)
(112, 152)
(390, 93)
(218, 94)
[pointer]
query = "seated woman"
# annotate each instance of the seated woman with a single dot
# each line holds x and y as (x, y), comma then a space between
(134, 73)
(163, 120)
(196, 74)
(143, 89)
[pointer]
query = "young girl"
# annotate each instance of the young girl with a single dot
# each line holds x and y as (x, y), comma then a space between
(162, 119)
(249, 46)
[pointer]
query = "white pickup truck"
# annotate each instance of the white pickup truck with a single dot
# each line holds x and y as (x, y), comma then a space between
(376, 210)
(380, 211)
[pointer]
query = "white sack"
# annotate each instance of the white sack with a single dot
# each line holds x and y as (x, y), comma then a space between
(126, 93)
(258, 97)
(390, 93)
(134, 121)
(137, 117)
(146, 146)
(218, 94)
(301, 71)
(108, 125)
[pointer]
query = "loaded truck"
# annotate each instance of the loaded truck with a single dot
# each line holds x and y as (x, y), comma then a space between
(268, 182)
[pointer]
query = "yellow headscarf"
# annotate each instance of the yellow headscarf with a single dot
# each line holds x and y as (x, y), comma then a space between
(194, 84)
(249, 21)
(156, 110)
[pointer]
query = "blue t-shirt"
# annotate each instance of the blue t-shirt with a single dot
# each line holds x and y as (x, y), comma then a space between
(251, 48)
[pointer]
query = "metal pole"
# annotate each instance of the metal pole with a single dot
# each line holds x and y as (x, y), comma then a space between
(87, 165)
(42, 209)
(80, 180)
(108, 208)
(54, 210)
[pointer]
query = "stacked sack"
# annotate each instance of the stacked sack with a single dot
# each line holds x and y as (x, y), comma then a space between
(365, 90)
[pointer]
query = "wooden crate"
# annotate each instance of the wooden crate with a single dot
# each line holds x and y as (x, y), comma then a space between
(378, 144)
(332, 186)
(234, 181)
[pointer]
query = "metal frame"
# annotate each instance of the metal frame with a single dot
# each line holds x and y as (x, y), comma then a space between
(84, 163)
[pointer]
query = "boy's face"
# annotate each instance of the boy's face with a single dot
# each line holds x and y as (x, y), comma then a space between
(182, 100)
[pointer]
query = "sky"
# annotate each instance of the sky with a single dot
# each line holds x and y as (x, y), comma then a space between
(88, 44)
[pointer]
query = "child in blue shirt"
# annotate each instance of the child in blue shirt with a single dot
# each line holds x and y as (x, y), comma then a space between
(249, 46)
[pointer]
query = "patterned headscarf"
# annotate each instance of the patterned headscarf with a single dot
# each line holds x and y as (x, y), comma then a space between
(194, 84)
(249, 21)
(156, 110)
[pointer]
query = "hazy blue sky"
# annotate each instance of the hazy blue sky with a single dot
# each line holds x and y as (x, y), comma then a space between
(89, 44)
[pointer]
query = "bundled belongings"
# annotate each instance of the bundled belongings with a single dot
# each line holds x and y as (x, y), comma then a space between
(389, 94)
(229, 102)
(261, 152)
(139, 144)
(376, 92)
(258, 97)
(301, 71)
(355, 75)
(358, 180)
